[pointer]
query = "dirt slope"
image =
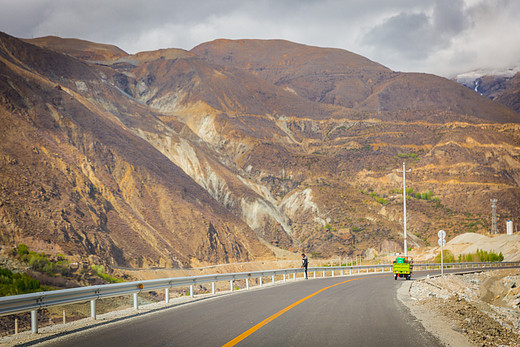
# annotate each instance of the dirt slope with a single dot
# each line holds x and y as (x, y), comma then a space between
(469, 243)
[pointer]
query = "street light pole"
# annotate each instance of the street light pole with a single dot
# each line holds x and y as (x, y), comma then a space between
(404, 206)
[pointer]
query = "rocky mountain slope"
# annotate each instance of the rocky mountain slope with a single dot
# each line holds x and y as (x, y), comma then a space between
(502, 87)
(183, 158)
(77, 180)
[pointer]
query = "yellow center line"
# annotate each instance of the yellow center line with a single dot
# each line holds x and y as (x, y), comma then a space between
(279, 313)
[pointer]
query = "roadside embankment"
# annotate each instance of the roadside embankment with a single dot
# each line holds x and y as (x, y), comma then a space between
(479, 309)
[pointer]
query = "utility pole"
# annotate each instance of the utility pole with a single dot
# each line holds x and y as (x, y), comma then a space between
(494, 216)
(404, 206)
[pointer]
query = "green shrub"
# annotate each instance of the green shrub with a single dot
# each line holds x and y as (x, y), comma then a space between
(407, 155)
(98, 268)
(22, 250)
(382, 201)
(100, 271)
(41, 263)
(37, 261)
(480, 256)
(448, 257)
(17, 283)
(109, 278)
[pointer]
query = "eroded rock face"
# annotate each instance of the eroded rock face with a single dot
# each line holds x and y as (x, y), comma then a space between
(171, 158)
(80, 180)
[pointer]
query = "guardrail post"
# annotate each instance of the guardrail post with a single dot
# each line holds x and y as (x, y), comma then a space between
(212, 287)
(314, 274)
(261, 281)
(167, 295)
(332, 273)
(284, 278)
(34, 321)
(350, 271)
(231, 285)
(191, 290)
(323, 273)
(247, 283)
(294, 276)
(341, 272)
(273, 279)
(136, 303)
(93, 309)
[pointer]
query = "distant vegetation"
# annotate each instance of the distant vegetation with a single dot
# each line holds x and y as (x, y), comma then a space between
(447, 257)
(382, 198)
(100, 270)
(479, 256)
(41, 263)
(427, 195)
(377, 197)
(58, 265)
(412, 155)
(17, 283)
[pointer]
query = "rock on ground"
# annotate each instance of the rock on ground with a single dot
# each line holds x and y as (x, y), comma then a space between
(484, 306)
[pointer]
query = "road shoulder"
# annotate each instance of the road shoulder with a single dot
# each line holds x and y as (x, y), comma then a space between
(433, 323)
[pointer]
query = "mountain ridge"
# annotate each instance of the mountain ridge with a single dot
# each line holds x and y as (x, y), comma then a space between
(182, 158)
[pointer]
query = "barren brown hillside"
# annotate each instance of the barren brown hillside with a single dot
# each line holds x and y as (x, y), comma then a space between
(76, 180)
(81, 49)
(339, 77)
(176, 158)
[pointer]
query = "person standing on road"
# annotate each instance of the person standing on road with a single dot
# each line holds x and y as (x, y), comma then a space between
(305, 264)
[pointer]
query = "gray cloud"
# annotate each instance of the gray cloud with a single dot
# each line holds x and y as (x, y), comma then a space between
(441, 36)
(417, 35)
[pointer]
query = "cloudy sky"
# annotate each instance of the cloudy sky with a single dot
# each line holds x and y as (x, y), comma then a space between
(444, 37)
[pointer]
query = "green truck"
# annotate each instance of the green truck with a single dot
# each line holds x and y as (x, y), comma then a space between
(403, 267)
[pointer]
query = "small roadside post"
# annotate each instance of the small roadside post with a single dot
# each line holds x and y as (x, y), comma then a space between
(442, 243)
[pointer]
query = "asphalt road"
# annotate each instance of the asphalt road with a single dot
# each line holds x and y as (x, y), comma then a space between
(338, 311)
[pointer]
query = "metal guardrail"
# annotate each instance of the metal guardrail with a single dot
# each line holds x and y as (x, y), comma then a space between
(34, 301)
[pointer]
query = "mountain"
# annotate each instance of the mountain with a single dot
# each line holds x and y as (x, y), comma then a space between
(338, 77)
(80, 49)
(500, 86)
(77, 180)
(222, 153)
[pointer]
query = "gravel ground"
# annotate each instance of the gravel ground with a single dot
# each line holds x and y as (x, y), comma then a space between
(478, 309)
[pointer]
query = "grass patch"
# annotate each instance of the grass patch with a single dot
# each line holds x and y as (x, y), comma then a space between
(100, 271)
